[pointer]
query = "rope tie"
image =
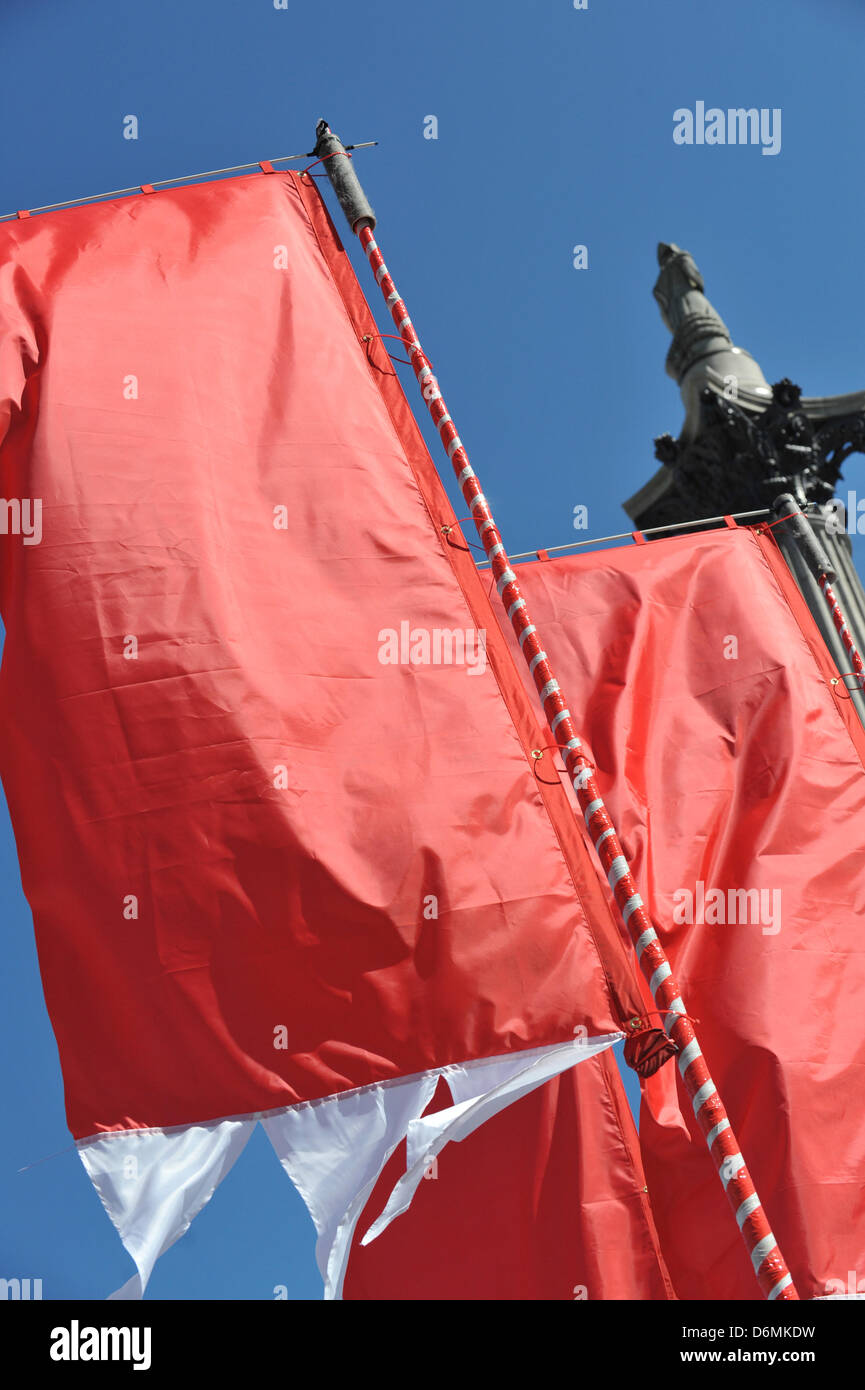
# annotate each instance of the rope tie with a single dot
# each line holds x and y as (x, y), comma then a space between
(369, 337)
(332, 155)
(538, 753)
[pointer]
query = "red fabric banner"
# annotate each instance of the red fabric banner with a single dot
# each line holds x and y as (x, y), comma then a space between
(273, 799)
(733, 769)
(546, 1201)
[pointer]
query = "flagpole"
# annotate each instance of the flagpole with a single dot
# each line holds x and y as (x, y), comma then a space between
(843, 630)
(771, 1271)
(813, 572)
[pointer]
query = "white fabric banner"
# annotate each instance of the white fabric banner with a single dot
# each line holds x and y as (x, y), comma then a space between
(153, 1182)
(480, 1090)
(334, 1149)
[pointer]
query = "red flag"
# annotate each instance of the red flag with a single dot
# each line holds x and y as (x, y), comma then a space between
(265, 750)
(733, 767)
(547, 1201)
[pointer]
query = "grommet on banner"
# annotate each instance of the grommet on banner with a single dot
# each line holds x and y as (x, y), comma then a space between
(842, 689)
(369, 337)
(266, 167)
(147, 188)
(22, 213)
(538, 753)
(446, 530)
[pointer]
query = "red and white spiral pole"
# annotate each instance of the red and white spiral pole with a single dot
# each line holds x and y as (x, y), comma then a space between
(770, 1269)
(792, 526)
(843, 630)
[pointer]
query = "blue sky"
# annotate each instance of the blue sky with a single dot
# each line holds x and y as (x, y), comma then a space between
(554, 129)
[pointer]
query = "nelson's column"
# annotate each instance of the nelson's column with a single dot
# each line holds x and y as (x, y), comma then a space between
(748, 447)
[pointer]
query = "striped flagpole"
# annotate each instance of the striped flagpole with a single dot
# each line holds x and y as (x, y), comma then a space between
(770, 1269)
(799, 533)
(843, 630)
